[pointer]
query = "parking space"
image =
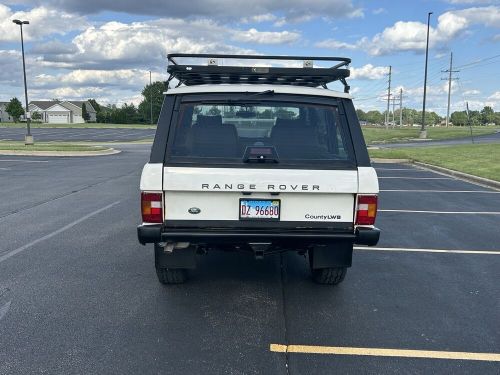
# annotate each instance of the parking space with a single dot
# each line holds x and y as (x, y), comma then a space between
(78, 134)
(80, 295)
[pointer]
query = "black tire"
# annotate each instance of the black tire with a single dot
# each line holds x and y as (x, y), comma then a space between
(169, 276)
(329, 276)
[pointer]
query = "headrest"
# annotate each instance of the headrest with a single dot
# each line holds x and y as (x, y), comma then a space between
(290, 123)
(203, 120)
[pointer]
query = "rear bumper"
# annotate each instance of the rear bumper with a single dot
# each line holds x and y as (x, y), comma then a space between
(159, 233)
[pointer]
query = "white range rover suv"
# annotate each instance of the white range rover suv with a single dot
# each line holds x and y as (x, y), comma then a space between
(257, 158)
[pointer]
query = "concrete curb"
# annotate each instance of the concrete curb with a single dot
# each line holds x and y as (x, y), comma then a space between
(386, 161)
(109, 151)
(460, 175)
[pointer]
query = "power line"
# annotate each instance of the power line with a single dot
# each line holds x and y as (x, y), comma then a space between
(478, 61)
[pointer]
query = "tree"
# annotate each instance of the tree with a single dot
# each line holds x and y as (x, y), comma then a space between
(374, 117)
(15, 109)
(361, 115)
(85, 114)
(459, 118)
(95, 105)
(35, 116)
(487, 115)
(214, 111)
(154, 91)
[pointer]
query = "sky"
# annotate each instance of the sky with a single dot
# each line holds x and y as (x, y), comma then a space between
(104, 49)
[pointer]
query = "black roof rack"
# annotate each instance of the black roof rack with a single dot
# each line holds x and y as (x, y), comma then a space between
(212, 73)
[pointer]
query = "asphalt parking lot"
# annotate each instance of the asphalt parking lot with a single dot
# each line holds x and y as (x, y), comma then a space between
(78, 294)
(78, 135)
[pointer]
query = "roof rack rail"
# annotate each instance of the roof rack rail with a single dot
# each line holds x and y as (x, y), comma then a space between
(213, 73)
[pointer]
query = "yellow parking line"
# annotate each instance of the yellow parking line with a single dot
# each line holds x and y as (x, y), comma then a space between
(378, 352)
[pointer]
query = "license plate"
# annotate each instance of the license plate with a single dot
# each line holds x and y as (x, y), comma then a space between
(263, 209)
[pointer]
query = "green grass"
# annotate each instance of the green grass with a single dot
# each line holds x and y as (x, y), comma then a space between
(479, 160)
(49, 146)
(89, 125)
(381, 135)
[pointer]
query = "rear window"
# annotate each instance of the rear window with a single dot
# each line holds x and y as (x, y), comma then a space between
(226, 133)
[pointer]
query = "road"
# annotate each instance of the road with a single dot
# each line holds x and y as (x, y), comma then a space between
(79, 295)
(478, 139)
(76, 135)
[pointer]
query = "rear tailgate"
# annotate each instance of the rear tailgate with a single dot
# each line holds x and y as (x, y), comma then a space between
(213, 194)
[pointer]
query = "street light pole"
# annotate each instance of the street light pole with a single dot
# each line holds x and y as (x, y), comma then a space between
(423, 132)
(28, 139)
(151, 98)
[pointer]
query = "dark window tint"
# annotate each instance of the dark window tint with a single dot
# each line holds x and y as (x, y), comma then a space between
(220, 133)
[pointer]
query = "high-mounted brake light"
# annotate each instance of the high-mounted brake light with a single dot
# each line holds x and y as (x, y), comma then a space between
(367, 210)
(151, 207)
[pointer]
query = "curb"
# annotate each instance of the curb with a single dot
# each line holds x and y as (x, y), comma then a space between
(460, 175)
(109, 151)
(385, 161)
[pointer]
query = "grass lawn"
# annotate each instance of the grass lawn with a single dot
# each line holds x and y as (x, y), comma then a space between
(480, 160)
(48, 146)
(89, 125)
(381, 135)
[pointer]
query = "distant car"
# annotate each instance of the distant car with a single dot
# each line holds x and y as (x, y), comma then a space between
(260, 160)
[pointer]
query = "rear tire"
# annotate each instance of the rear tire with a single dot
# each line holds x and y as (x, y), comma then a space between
(169, 276)
(329, 276)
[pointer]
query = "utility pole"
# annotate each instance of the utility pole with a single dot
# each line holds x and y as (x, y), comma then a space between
(393, 112)
(388, 99)
(450, 71)
(151, 98)
(400, 107)
(423, 132)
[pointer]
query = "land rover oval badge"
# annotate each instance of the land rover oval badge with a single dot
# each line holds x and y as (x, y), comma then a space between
(194, 210)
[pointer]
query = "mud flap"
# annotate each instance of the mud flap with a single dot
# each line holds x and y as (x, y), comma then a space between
(338, 254)
(178, 258)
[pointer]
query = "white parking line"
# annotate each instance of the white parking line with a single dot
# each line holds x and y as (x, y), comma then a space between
(419, 178)
(410, 250)
(5, 169)
(385, 352)
(444, 212)
(441, 191)
(60, 230)
(24, 161)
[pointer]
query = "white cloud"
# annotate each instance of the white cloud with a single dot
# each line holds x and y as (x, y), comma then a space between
(266, 17)
(469, 2)
(265, 37)
(471, 92)
(379, 11)
(146, 44)
(43, 22)
(369, 72)
(411, 35)
(335, 44)
(292, 10)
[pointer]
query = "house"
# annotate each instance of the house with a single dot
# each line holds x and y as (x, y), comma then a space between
(4, 116)
(62, 112)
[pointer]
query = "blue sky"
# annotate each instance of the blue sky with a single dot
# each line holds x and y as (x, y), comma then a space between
(104, 49)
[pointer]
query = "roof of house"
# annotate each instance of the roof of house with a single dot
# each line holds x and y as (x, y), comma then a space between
(46, 104)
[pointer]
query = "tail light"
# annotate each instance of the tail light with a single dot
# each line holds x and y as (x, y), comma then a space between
(367, 210)
(151, 207)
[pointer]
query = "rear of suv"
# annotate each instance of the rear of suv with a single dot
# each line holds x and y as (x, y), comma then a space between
(257, 159)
